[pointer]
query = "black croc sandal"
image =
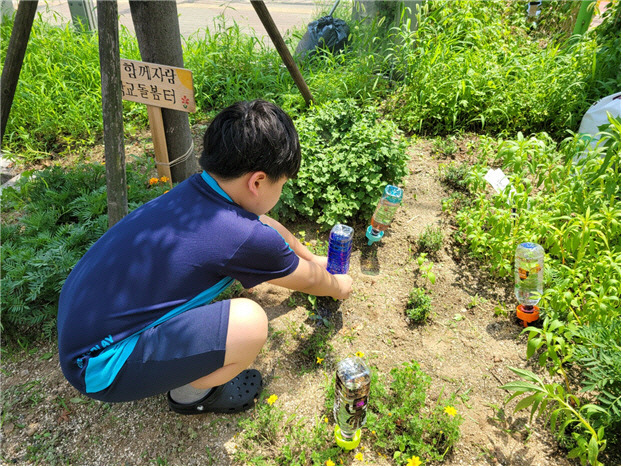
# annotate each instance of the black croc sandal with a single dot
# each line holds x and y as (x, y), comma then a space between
(237, 395)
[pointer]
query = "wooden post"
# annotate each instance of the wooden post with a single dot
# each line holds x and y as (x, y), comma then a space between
(160, 142)
(112, 110)
(282, 49)
(14, 58)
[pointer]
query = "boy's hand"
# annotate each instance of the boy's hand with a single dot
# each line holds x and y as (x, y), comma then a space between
(320, 261)
(345, 284)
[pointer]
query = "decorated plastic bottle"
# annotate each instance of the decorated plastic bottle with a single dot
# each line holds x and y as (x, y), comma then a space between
(384, 213)
(340, 245)
(352, 388)
(529, 263)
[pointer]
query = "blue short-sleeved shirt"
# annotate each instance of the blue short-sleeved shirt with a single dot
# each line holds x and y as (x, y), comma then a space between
(173, 253)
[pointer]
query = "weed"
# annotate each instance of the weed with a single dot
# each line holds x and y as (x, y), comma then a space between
(419, 305)
(430, 240)
(445, 147)
(425, 268)
(400, 425)
(455, 175)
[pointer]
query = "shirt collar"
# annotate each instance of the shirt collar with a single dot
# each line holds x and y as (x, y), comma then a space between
(215, 186)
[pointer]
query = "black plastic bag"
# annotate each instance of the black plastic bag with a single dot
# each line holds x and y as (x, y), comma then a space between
(326, 32)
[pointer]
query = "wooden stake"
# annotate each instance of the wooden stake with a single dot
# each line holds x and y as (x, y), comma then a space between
(160, 143)
(282, 49)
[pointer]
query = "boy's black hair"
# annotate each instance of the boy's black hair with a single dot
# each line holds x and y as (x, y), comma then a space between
(251, 136)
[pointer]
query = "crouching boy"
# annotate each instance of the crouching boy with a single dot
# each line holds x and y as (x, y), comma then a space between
(136, 316)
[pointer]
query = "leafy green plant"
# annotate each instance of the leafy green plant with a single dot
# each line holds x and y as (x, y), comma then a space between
(567, 197)
(430, 240)
(455, 175)
(419, 305)
(563, 410)
(404, 427)
(50, 219)
(445, 147)
(349, 155)
(399, 424)
(425, 268)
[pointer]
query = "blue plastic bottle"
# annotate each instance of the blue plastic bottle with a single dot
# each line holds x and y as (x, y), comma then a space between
(340, 245)
(384, 213)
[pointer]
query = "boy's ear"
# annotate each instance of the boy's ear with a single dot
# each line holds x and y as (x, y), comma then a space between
(256, 179)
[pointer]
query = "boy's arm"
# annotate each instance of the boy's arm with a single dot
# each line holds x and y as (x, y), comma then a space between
(311, 278)
(299, 249)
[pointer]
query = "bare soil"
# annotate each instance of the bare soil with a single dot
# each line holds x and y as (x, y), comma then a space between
(464, 347)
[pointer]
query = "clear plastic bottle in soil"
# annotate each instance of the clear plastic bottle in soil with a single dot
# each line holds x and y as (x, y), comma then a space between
(529, 263)
(340, 246)
(384, 213)
(352, 388)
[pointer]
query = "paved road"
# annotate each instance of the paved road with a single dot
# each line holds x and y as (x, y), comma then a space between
(198, 14)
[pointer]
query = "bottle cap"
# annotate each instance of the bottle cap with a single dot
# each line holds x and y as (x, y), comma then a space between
(526, 315)
(393, 194)
(372, 238)
(346, 444)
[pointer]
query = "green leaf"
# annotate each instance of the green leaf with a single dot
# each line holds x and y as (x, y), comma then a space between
(533, 345)
(593, 451)
(525, 402)
(520, 386)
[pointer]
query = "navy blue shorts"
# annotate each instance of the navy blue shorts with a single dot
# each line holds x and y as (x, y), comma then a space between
(174, 353)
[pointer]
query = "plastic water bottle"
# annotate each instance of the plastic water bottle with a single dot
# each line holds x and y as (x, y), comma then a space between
(340, 246)
(529, 262)
(352, 388)
(384, 213)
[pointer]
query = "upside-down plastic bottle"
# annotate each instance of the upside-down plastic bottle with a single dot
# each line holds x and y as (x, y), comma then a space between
(529, 263)
(352, 388)
(340, 246)
(384, 213)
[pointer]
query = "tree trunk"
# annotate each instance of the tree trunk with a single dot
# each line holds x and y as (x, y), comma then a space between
(158, 33)
(14, 58)
(112, 110)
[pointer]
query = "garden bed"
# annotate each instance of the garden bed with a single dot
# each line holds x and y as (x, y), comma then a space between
(465, 347)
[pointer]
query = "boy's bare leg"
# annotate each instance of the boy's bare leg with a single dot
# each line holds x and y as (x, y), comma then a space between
(246, 334)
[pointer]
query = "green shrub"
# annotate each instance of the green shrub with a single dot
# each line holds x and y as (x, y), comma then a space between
(49, 222)
(349, 155)
(419, 305)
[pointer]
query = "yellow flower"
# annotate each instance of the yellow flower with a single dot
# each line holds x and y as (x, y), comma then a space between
(450, 410)
(326, 420)
(359, 354)
(330, 462)
(164, 179)
(414, 461)
(271, 399)
(319, 360)
(153, 181)
(374, 432)
(359, 456)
